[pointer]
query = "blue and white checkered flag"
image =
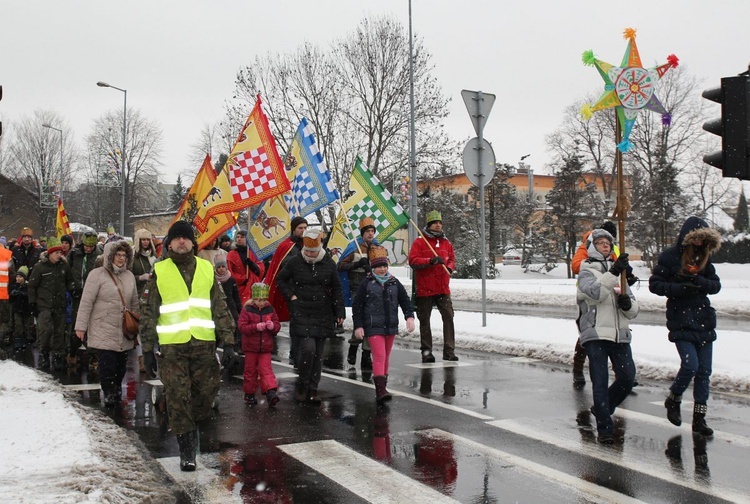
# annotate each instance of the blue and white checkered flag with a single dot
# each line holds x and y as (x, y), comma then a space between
(312, 187)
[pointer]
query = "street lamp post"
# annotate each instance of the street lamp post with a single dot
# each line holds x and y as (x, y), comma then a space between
(47, 125)
(122, 152)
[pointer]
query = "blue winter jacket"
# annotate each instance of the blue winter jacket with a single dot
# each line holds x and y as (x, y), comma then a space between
(375, 306)
(690, 316)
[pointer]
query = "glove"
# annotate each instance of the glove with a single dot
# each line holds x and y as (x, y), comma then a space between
(410, 325)
(34, 309)
(624, 302)
(269, 324)
(366, 266)
(363, 261)
(632, 279)
(228, 355)
(359, 333)
(437, 260)
(260, 326)
(253, 267)
(149, 363)
(620, 265)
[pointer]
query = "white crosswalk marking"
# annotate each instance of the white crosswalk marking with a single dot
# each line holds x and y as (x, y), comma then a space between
(204, 485)
(592, 489)
(83, 386)
(735, 439)
(629, 460)
(370, 480)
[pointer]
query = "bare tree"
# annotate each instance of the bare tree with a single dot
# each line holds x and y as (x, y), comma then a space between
(34, 154)
(143, 139)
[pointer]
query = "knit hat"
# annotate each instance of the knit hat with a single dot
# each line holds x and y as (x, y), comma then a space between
(67, 239)
(313, 240)
(220, 260)
(27, 232)
(3, 241)
(433, 216)
(610, 227)
(110, 230)
(53, 245)
(89, 239)
(296, 222)
(601, 233)
(181, 229)
(24, 272)
(260, 290)
(365, 224)
(378, 257)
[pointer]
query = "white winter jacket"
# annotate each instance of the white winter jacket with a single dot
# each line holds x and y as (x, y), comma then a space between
(600, 316)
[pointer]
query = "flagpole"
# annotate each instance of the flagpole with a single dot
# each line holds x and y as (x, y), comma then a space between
(419, 231)
(412, 140)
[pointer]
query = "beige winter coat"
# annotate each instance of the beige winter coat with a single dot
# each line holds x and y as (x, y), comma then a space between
(100, 311)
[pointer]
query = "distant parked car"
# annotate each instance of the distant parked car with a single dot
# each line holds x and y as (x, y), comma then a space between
(512, 257)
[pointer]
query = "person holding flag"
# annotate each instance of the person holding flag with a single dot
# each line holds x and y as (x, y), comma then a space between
(433, 261)
(290, 247)
(246, 269)
(357, 266)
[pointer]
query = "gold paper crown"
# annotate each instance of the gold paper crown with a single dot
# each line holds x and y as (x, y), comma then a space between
(260, 290)
(378, 256)
(313, 239)
(365, 223)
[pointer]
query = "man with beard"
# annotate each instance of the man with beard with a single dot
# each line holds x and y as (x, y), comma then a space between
(244, 266)
(183, 307)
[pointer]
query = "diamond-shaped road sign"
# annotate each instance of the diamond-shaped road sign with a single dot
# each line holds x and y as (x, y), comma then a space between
(479, 105)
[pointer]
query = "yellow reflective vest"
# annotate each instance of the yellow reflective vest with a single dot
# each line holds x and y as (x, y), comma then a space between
(183, 314)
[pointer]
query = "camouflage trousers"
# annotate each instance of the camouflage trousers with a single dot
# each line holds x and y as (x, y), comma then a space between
(191, 375)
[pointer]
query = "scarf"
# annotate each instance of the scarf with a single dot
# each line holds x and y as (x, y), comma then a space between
(223, 278)
(433, 234)
(382, 279)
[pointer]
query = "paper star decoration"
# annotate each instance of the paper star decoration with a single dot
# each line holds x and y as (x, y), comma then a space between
(629, 88)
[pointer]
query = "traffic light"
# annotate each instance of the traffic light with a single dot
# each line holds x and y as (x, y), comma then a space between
(733, 127)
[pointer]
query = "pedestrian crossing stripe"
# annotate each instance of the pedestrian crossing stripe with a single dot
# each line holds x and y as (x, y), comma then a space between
(625, 458)
(203, 485)
(440, 365)
(81, 387)
(361, 475)
(559, 477)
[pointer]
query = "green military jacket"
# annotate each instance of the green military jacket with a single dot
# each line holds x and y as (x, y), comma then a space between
(151, 301)
(49, 282)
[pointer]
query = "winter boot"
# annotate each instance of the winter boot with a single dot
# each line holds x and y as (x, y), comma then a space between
(250, 400)
(272, 398)
(141, 366)
(58, 362)
(673, 408)
(43, 361)
(351, 358)
(699, 421)
(381, 394)
(366, 362)
(186, 443)
(427, 357)
(300, 393)
(313, 398)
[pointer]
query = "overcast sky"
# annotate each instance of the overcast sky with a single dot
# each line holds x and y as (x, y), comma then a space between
(178, 59)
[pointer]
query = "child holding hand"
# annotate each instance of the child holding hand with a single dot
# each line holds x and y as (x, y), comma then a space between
(258, 325)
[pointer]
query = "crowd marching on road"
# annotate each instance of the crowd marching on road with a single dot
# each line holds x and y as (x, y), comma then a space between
(66, 301)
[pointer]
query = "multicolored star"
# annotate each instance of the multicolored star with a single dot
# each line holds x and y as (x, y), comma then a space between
(629, 88)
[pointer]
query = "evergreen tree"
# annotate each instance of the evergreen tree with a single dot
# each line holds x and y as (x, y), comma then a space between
(741, 219)
(571, 204)
(177, 194)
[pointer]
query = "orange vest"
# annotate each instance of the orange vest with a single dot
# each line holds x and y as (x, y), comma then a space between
(5, 259)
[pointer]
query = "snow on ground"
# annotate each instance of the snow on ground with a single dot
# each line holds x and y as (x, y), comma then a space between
(57, 451)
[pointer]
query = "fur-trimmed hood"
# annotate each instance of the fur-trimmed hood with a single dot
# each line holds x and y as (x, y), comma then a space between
(695, 257)
(111, 248)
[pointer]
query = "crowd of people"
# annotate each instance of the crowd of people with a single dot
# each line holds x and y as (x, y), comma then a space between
(193, 304)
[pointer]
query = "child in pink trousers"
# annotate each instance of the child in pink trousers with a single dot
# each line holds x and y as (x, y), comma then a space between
(258, 326)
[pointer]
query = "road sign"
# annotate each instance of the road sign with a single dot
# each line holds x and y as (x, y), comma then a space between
(471, 162)
(479, 105)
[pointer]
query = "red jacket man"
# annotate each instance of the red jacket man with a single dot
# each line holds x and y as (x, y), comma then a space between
(433, 260)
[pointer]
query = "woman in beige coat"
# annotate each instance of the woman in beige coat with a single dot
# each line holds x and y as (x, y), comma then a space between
(100, 315)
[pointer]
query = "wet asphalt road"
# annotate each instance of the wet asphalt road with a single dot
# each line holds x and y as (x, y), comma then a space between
(490, 428)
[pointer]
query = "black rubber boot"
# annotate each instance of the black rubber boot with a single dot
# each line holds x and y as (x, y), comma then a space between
(381, 394)
(699, 421)
(186, 443)
(672, 404)
(351, 358)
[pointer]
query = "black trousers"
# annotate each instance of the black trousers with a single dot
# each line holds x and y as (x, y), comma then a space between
(112, 370)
